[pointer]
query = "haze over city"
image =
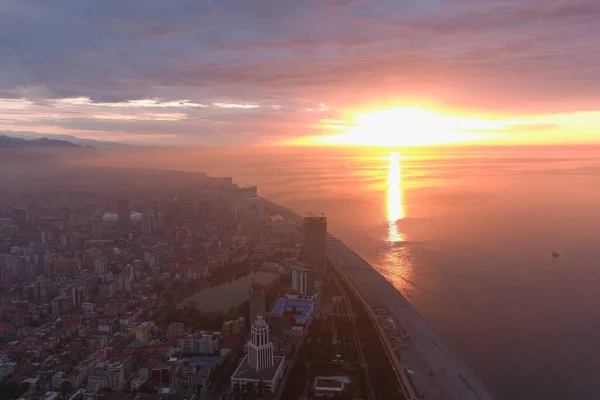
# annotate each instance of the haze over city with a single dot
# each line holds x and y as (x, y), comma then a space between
(311, 72)
(285, 200)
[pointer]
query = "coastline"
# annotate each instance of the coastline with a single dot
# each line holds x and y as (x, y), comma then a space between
(437, 372)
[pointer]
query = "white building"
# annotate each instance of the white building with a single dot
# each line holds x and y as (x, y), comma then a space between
(303, 279)
(111, 374)
(114, 217)
(202, 343)
(260, 349)
(259, 365)
(175, 329)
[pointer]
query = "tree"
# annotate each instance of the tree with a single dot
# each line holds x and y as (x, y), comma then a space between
(261, 387)
(10, 390)
(227, 360)
(65, 388)
(215, 372)
(25, 387)
(236, 390)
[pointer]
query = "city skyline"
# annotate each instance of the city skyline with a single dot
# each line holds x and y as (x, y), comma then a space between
(230, 73)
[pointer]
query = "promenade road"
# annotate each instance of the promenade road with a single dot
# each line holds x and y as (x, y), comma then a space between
(428, 353)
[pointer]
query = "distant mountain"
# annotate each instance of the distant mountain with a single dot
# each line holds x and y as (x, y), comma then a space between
(6, 141)
(27, 135)
(42, 149)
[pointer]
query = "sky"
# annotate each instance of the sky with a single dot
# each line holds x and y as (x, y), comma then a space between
(240, 72)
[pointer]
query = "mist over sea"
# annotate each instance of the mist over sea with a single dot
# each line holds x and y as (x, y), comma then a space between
(466, 235)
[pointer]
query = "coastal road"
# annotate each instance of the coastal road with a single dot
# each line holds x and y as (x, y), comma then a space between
(448, 377)
(357, 340)
(403, 381)
(442, 374)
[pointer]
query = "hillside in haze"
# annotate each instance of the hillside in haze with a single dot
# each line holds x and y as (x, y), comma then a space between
(6, 141)
(33, 136)
(45, 143)
(20, 154)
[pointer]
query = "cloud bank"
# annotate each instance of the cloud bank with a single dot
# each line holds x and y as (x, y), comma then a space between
(239, 71)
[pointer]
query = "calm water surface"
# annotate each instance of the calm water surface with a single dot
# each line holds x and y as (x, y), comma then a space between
(228, 295)
(467, 236)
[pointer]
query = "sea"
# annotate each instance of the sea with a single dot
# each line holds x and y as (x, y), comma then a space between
(467, 236)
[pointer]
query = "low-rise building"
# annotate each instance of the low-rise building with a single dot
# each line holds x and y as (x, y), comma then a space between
(111, 374)
(97, 342)
(175, 329)
(234, 327)
(330, 386)
(143, 332)
(200, 343)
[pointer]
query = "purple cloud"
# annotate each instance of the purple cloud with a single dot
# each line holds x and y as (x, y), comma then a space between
(504, 56)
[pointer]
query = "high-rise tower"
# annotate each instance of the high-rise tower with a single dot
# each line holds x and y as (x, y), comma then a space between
(260, 349)
(314, 249)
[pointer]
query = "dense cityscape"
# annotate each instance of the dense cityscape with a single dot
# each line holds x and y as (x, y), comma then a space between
(184, 287)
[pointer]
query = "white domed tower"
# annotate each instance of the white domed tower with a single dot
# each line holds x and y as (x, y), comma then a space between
(260, 364)
(260, 349)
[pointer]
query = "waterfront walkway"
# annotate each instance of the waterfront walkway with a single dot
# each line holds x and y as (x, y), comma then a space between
(438, 373)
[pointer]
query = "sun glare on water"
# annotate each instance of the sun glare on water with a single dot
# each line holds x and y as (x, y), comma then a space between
(395, 206)
(405, 127)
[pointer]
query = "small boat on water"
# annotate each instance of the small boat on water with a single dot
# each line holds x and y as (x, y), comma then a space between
(555, 254)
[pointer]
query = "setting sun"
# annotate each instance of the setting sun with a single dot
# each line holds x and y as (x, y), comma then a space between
(401, 127)
(405, 127)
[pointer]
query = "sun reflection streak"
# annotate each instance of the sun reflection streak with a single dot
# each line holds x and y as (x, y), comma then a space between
(397, 254)
(395, 206)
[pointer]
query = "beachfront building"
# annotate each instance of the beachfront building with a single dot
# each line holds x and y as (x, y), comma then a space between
(260, 366)
(314, 248)
(239, 203)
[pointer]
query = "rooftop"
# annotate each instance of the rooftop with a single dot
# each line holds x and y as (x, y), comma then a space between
(332, 383)
(328, 383)
(302, 266)
(257, 289)
(201, 335)
(245, 371)
(300, 309)
(205, 363)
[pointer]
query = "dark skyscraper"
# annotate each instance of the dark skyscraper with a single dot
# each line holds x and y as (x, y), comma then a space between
(314, 249)
(188, 211)
(123, 215)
